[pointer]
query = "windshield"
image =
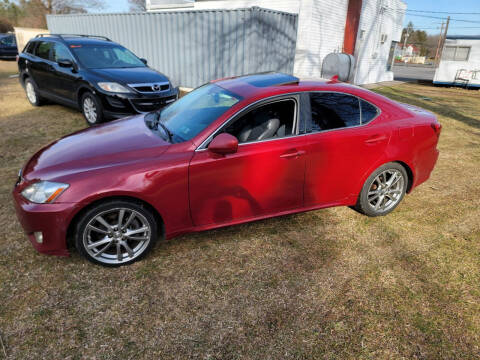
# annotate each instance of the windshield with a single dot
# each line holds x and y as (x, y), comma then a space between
(191, 114)
(106, 56)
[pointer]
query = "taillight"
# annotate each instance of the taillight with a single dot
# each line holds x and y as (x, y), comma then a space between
(437, 127)
(16, 58)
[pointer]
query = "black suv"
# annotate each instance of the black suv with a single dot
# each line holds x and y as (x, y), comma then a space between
(91, 73)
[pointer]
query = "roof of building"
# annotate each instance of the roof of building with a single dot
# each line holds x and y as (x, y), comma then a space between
(463, 37)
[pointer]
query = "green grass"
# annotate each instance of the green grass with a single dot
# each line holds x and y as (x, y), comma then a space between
(329, 284)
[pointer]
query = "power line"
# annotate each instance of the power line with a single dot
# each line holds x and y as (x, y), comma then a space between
(431, 17)
(444, 12)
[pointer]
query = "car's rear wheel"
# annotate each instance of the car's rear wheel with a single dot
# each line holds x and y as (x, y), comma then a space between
(116, 233)
(383, 190)
(32, 93)
(92, 109)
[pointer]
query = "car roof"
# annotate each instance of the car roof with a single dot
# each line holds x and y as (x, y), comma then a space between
(74, 40)
(271, 83)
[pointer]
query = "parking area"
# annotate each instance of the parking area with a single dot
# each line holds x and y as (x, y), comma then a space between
(412, 72)
(324, 284)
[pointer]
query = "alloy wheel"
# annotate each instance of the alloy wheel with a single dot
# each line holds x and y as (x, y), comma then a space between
(117, 236)
(31, 95)
(386, 190)
(90, 110)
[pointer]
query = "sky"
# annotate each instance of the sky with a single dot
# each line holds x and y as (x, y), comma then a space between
(430, 25)
(469, 27)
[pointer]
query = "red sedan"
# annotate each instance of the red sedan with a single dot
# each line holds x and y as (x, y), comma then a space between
(231, 151)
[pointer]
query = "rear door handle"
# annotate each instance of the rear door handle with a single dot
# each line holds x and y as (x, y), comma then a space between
(293, 154)
(375, 139)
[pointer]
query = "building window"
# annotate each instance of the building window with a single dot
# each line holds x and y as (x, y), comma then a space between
(456, 53)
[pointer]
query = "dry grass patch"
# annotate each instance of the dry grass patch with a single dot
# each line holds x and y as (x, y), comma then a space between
(328, 284)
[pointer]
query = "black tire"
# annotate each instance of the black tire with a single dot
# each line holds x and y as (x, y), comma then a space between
(31, 90)
(88, 103)
(376, 198)
(115, 237)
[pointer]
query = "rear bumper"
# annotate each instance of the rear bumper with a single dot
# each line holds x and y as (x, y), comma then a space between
(50, 219)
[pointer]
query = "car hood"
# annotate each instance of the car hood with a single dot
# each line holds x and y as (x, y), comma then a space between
(136, 75)
(115, 143)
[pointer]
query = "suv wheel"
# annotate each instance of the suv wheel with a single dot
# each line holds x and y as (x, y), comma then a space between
(32, 93)
(92, 109)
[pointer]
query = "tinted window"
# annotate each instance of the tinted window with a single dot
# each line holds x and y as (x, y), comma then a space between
(368, 111)
(43, 50)
(60, 52)
(105, 56)
(8, 41)
(334, 110)
(274, 120)
(30, 46)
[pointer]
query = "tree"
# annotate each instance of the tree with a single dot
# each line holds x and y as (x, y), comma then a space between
(137, 5)
(5, 25)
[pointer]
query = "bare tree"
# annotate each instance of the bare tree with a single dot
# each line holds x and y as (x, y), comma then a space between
(137, 5)
(35, 10)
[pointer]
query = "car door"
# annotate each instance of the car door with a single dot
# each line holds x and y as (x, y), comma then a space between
(40, 67)
(343, 145)
(63, 78)
(263, 177)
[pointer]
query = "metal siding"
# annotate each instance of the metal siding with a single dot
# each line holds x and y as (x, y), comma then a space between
(194, 47)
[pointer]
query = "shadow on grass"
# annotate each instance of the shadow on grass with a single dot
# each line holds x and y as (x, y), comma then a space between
(405, 97)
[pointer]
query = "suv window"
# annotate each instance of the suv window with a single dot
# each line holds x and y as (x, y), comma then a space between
(60, 52)
(334, 110)
(8, 41)
(43, 50)
(274, 120)
(30, 47)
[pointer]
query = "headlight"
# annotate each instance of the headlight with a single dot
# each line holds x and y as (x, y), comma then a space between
(113, 87)
(43, 191)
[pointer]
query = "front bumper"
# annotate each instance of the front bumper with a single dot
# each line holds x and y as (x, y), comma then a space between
(120, 105)
(50, 219)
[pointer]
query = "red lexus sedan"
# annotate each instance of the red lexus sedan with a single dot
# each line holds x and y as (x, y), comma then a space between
(231, 151)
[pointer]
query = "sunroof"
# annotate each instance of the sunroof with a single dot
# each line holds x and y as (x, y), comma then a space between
(269, 79)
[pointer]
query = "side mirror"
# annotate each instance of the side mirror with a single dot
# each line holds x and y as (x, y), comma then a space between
(65, 63)
(223, 144)
(144, 61)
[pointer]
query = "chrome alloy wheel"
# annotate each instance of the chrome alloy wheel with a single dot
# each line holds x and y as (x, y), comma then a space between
(90, 110)
(386, 190)
(116, 236)
(31, 95)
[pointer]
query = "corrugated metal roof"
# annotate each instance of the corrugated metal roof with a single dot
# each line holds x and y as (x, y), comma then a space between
(195, 46)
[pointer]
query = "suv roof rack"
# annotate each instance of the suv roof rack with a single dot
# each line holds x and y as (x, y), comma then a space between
(61, 36)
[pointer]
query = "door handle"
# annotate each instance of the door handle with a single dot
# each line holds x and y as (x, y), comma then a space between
(294, 154)
(375, 139)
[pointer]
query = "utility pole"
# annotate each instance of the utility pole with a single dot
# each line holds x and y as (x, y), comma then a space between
(438, 45)
(444, 39)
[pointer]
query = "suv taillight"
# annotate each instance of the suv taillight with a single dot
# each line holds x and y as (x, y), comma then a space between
(16, 58)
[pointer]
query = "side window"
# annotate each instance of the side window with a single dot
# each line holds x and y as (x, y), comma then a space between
(43, 50)
(368, 111)
(334, 110)
(30, 47)
(60, 52)
(274, 120)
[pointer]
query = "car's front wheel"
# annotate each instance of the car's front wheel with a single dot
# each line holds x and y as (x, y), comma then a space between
(383, 190)
(92, 109)
(32, 93)
(116, 233)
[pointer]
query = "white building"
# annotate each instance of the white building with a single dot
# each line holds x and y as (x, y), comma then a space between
(460, 62)
(367, 29)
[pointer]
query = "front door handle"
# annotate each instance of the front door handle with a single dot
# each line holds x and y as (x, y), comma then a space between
(375, 139)
(293, 154)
